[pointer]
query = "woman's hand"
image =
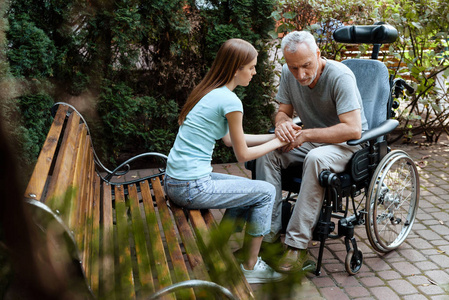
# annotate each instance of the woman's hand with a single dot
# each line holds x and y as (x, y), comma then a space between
(297, 142)
(287, 131)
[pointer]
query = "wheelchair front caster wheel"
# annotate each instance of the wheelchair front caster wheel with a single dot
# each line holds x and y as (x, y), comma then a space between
(353, 262)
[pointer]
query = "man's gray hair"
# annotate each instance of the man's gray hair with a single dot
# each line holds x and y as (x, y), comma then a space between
(291, 41)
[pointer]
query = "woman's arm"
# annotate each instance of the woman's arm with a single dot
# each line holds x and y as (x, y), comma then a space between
(251, 139)
(243, 149)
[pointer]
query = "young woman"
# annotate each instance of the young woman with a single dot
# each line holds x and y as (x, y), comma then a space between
(214, 111)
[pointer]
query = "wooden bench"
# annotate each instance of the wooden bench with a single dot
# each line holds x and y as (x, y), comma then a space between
(132, 243)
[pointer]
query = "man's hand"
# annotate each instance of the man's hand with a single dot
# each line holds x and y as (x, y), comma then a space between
(287, 131)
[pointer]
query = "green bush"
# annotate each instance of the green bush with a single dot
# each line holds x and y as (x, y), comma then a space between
(31, 52)
(423, 46)
(34, 125)
(128, 54)
(133, 122)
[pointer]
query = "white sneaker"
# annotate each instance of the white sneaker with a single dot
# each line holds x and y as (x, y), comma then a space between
(261, 273)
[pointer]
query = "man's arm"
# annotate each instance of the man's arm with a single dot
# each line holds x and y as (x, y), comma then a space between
(349, 128)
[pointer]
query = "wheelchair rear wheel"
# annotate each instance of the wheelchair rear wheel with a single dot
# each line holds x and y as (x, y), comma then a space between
(392, 201)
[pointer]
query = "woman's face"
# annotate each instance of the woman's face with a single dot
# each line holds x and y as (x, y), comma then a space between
(245, 73)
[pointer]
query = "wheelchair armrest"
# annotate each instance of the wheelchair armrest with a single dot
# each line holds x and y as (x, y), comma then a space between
(384, 128)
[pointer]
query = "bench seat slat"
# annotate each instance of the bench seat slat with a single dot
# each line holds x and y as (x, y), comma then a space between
(143, 259)
(107, 286)
(156, 251)
(210, 251)
(126, 279)
(243, 287)
(95, 240)
(189, 240)
(176, 256)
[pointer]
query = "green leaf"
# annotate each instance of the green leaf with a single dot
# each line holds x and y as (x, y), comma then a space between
(289, 15)
(276, 15)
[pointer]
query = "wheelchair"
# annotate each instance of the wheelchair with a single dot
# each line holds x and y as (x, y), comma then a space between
(386, 181)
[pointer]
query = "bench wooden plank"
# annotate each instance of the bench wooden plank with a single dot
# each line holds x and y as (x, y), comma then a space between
(95, 254)
(72, 217)
(78, 184)
(176, 256)
(210, 252)
(107, 286)
(156, 249)
(36, 185)
(58, 188)
(87, 221)
(243, 287)
(125, 273)
(189, 240)
(143, 259)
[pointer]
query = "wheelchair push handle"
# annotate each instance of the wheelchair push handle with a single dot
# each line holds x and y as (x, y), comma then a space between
(400, 84)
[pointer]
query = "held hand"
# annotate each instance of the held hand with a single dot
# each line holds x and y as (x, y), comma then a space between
(287, 131)
(291, 145)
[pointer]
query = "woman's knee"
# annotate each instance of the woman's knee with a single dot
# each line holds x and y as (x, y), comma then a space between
(268, 194)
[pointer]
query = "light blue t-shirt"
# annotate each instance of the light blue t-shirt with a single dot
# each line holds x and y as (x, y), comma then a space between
(191, 155)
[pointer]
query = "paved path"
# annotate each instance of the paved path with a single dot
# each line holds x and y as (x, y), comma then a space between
(419, 269)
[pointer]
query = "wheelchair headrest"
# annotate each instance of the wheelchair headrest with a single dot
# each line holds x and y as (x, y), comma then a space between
(366, 34)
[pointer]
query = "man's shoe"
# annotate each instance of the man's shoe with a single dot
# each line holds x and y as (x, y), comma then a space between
(261, 273)
(293, 260)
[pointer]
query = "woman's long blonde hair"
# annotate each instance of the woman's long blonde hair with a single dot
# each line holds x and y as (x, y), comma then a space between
(231, 56)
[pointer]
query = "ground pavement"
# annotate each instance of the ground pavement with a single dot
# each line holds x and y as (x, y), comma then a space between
(418, 269)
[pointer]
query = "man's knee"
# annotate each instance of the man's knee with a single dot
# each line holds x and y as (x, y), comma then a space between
(315, 156)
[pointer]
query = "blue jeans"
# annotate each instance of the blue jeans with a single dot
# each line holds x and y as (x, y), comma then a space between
(252, 199)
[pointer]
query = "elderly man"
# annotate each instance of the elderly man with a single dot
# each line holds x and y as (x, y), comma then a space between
(324, 94)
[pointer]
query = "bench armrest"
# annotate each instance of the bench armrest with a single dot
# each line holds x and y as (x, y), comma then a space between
(194, 284)
(124, 168)
(372, 134)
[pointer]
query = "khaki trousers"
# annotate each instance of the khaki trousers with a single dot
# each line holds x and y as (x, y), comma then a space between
(316, 157)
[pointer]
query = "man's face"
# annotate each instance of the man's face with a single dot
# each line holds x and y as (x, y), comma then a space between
(303, 64)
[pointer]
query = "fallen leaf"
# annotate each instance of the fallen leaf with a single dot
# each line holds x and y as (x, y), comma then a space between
(440, 251)
(421, 164)
(432, 282)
